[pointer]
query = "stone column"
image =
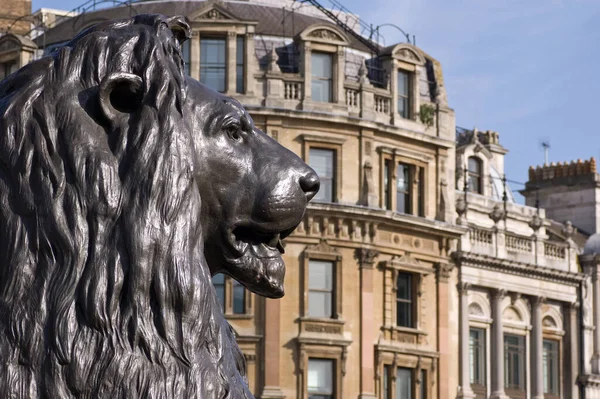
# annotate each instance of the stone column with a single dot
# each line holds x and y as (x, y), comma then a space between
(366, 258)
(339, 95)
(444, 272)
(596, 313)
(537, 349)
(571, 363)
(306, 73)
(250, 66)
(231, 62)
(497, 346)
(465, 390)
(195, 55)
(272, 346)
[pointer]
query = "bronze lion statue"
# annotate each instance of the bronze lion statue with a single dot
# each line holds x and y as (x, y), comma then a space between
(124, 186)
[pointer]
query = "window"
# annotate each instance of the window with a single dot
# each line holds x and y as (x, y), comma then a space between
(424, 384)
(550, 368)
(475, 175)
(323, 161)
(239, 64)
(387, 195)
(322, 73)
(514, 362)
(320, 379)
(213, 63)
(320, 288)
(239, 300)
(477, 356)
(404, 383)
(218, 281)
(404, 300)
(185, 52)
(231, 294)
(408, 196)
(403, 204)
(403, 94)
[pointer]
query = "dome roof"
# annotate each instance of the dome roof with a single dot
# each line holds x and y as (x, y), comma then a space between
(592, 245)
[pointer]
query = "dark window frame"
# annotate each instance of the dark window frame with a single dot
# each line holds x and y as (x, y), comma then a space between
(405, 97)
(214, 66)
(331, 394)
(326, 179)
(514, 386)
(240, 62)
(331, 292)
(408, 303)
(475, 175)
(314, 77)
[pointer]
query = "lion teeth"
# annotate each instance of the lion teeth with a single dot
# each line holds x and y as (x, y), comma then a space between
(280, 246)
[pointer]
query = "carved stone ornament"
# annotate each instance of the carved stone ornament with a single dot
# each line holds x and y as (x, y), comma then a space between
(568, 230)
(407, 54)
(110, 236)
(496, 214)
(536, 222)
(444, 271)
(366, 256)
(214, 15)
(326, 34)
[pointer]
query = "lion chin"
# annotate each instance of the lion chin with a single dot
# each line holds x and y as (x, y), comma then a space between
(253, 257)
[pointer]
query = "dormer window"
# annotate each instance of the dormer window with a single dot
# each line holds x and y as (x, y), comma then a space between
(322, 74)
(404, 90)
(475, 174)
(213, 63)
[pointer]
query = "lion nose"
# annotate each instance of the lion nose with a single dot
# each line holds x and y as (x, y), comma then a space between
(310, 184)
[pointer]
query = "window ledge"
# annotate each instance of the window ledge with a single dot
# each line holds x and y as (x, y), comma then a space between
(405, 335)
(321, 325)
(235, 316)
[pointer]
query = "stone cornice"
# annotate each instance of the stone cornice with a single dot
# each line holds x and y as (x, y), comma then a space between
(516, 268)
(390, 218)
(351, 121)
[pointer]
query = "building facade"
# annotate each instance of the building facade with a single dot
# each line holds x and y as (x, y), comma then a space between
(414, 274)
(370, 287)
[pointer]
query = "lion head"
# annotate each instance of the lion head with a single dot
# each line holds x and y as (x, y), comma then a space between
(116, 172)
(257, 193)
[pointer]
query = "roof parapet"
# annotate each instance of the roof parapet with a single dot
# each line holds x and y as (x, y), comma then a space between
(561, 170)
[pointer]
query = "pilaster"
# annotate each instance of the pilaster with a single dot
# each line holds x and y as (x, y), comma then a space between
(537, 348)
(231, 61)
(195, 55)
(497, 346)
(464, 390)
(366, 261)
(444, 272)
(272, 347)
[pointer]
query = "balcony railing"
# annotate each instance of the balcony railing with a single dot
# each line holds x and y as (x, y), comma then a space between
(503, 245)
(287, 90)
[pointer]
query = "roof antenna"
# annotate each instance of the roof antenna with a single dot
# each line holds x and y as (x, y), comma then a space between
(546, 146)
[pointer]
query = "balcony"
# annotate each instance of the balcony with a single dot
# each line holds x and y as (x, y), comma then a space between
(356, 100)
(513, 238)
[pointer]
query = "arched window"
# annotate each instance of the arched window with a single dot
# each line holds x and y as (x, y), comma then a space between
(475, 174)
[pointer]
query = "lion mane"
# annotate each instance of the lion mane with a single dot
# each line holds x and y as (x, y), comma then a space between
(104, 289)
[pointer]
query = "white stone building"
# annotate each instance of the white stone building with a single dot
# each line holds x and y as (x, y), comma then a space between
(519, 286)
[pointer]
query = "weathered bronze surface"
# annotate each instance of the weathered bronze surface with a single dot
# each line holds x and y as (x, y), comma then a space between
(124, 186)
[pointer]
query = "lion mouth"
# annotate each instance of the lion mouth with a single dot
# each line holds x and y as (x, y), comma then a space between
(263, 244)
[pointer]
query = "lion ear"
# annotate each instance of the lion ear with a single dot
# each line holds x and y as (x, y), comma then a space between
(180, 28)
(120, 93)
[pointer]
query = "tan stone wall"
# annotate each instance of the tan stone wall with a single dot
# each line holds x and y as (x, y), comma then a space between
(12, 10)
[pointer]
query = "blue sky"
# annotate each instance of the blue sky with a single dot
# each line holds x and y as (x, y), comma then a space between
(527, 69)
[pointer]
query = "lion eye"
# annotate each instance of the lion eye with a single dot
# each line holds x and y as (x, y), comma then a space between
(234, 132)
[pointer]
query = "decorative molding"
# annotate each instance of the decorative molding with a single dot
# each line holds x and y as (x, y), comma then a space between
(444, 271)
(403, 152)
(516, 268)
(9, 45)
(323, 247)
(313, 138)
(325, 34)
(463, 288)
(407, 54)
(407, 262)
(366, 256)
(498, 294)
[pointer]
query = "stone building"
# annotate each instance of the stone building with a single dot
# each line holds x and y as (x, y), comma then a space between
(569, 191)
(370, 290)
(519, 285)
